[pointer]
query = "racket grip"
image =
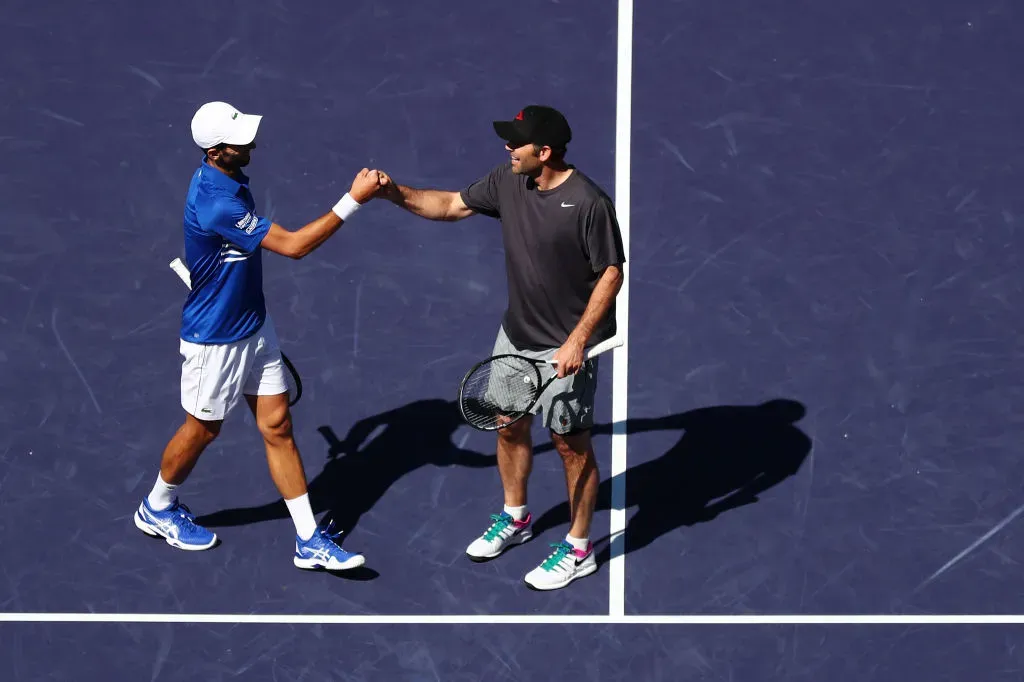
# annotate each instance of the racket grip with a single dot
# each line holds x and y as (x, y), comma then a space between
(182, 272)
(603, 347)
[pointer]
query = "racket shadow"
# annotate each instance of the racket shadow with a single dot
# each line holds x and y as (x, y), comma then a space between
(725, 458)
(375, 454)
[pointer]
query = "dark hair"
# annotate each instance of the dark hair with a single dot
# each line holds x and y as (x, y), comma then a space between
(557, 152)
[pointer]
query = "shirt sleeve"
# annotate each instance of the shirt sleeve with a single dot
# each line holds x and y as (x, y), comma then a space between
(483, 196)
(602, 238)
(234, 223)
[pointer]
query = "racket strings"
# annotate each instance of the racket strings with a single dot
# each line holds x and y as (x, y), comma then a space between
(500, 389)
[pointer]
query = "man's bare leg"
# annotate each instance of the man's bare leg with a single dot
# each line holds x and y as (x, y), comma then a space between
(313, 550)
(273, 419)
(575, 557)
(515, 462)
(581, 478)
(179, 458)
(159, 514)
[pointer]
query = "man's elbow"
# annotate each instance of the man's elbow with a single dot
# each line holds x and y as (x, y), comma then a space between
(292, 250)
(451, 215)
(286, 244)
(299, 251)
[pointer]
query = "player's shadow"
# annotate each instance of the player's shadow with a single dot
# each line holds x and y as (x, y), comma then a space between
(376, 452)
(726, 456)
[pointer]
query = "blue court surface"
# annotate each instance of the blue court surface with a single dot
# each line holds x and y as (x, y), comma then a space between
(815, 453)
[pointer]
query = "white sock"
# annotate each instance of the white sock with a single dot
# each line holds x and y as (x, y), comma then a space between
(578, 543)
(162, 495)
(302, 516)
(517, 513)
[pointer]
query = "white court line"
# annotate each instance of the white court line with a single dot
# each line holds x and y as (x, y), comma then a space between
(620, 374)
(476, 619)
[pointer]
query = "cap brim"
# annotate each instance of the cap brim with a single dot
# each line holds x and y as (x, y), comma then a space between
(244, 129)
(512, 132)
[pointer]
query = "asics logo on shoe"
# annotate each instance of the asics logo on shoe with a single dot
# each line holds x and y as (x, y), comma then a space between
(319, 554)
(165, 526)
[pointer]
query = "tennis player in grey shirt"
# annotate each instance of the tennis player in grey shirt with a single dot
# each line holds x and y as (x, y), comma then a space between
(564, 258)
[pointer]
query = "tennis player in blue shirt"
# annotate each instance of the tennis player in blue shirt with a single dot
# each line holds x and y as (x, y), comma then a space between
(228, 342)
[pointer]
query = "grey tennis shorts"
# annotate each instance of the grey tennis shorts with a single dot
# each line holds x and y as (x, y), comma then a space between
(567, 405)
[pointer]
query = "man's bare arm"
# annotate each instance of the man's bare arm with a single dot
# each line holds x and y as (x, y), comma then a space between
(307, 239)
(570, 356)
(431, 204)
(600, 302)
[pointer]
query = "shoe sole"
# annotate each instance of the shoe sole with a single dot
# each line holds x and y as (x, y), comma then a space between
(519, 539)
(308, 564)
(583, 573)
(146, 528)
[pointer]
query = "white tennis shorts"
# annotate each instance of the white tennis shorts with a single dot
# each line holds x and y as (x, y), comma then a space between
(215, 377)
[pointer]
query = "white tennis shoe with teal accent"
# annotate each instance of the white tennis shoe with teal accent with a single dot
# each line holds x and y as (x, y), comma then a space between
(503, 533)
(564, 565)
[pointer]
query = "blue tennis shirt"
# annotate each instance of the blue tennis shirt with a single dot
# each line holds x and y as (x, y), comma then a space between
(222, 251)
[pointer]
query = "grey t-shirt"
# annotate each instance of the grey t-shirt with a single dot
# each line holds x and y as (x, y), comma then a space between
(557, 244)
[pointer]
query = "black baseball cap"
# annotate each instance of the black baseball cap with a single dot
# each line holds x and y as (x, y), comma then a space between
(536, 124)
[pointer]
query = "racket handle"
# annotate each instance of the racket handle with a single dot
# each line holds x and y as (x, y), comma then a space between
(603, 347)
(606, 345)
(182, 271)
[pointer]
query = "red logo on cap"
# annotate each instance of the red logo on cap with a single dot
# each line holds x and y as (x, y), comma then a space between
(519, 116)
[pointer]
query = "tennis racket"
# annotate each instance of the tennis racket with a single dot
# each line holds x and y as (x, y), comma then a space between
(295, 387)
(501, 390)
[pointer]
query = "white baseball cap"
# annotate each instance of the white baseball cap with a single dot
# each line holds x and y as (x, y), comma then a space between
(220, 123)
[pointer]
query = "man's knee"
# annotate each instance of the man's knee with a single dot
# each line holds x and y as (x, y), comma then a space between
(517, 432)
(277, 427)
(274, 421)
(202, 431)
(575, 443)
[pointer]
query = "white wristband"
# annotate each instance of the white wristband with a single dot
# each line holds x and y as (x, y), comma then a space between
(346, 207)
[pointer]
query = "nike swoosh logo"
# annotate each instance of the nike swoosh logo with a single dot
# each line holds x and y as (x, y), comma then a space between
(565, 205)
